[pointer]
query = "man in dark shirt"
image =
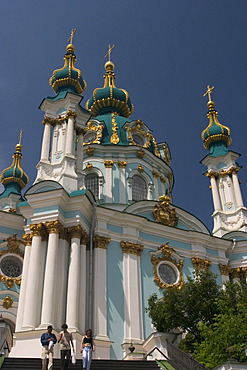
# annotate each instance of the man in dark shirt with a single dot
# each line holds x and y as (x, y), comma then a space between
(48, 340)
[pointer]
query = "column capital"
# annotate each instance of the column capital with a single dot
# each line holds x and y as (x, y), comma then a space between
(224, 269)
(200, 263)
(132, 248)
(53, 227)
(27, 239)
(70, 113)
(212, 174)
(76, 231)
(37, 229)
(101, 241)
(108, 164)
(48, 121)
(235, 272)
(64, 233)
(122, 164)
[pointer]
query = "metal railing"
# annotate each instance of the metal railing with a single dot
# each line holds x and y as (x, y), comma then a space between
(155, 349)
(4, 347)
(183, 360)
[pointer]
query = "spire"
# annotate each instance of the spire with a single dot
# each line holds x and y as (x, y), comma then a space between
(216, 137)
(14, 178)
(68, 78)
(109, 98)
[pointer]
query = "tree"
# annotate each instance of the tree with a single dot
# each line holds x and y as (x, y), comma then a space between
(214, 320)
(187, 307)
(227, 335)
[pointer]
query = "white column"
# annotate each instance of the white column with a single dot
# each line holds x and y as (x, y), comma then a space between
(133, 310)
(69, 148)
(32, 291)
(74, 278)
(100, 284)
(46, 141)
(79, 154)
(215, 194)
(62, 278)
(82, 286)
(237, 190)
(24, 279)
(49, 292)
(108, 181)
(122, 181)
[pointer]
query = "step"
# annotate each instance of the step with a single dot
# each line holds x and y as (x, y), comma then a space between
(35, 363)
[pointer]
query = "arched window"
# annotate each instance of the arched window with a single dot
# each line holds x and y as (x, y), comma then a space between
(139, 188)
(92, 183)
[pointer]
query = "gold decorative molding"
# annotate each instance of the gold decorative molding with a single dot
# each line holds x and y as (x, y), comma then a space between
(76, 231)
(64, 233)
(224, 269)
(132, 248)
(222, 173)
(89, 166)
(167, 254)
(49, 121)
(244, 270)
(164, 213)
(108, 164)
(10, 281)
(155, 174)
(13, 244)
(37, 229)
(27, 239)
(7, 302)
(101, 241)
(200, 263)
(53, 227)
(114, 138)
(140, 153)
(70, 113)
(122, 164)
(140, 168)
(97, 128)
(162, 179)
(90, 151)
(235, 273)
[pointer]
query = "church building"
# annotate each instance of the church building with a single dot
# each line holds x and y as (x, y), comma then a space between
(97, 232)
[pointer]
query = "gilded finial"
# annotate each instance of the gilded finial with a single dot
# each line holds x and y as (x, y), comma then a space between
(110, 48)
(20, 136)
(73, 31)
(208, 92)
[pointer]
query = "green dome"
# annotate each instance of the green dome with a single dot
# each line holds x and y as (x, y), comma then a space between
(15, 174)
(109, 98)
(215, 133)
(68, 78)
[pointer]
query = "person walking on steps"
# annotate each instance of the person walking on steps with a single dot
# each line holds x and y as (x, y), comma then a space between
(48, 340)
(87, 347)
(65, 340)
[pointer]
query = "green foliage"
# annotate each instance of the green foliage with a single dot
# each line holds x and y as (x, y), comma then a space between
(226, 336)
(213, 319)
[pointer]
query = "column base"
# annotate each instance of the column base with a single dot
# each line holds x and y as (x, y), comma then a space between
(103, 347)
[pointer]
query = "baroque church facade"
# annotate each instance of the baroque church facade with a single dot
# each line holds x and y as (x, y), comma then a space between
(97, 233)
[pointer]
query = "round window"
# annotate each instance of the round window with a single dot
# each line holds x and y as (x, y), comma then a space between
(89, 137)
(168, 274)
(11, 266)
(138, 139)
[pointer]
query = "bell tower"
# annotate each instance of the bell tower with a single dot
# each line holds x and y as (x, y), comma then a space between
(229, 213)
(62, 146)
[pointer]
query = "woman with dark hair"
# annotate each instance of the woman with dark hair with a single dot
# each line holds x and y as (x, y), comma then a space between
(87, 347)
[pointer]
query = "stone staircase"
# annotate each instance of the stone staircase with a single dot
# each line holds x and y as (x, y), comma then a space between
(35, 363)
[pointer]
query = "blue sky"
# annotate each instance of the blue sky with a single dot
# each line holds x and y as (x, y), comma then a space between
(166, 53)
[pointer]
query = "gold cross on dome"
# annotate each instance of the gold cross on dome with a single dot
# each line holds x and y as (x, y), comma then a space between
(208, 92)
(73, 31)
(20, 136)
(109, 51)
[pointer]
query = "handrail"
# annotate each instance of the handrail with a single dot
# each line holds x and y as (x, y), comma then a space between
(181, 358)
(2, 346)
(155, 348)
